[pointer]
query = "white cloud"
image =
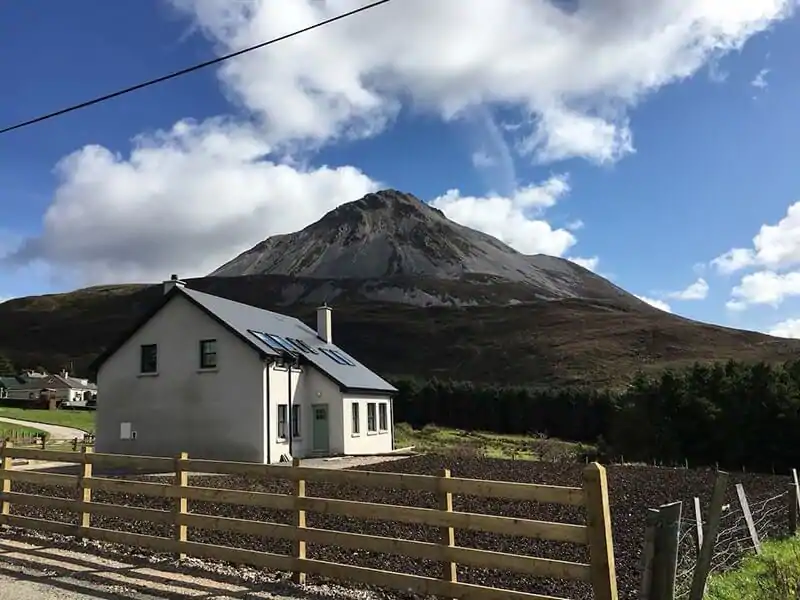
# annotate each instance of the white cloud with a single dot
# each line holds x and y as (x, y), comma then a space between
(187, 199)
(790, 328)
(513, 219)
(659, 304)
(775, 247)
(760, 80)
(696, 291)
(587, 263)
(572, 73)
(766, 288)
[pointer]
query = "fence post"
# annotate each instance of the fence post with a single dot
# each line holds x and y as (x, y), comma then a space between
(665, 560)
(84, 492)
(601, 545)
(791, 498)
(299, 550)
(710, 531)
(698, 520)
(448, 534)
(181, 503)
(651, 523)
(748, 517)
(5, 488)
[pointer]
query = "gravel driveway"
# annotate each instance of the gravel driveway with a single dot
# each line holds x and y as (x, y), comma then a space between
(34, 570)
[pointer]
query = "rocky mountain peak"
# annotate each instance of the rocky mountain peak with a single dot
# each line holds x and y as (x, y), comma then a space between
(384, 205)
(389, 234)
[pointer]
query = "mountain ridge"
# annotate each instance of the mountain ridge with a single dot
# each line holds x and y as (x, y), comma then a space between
(423, 314)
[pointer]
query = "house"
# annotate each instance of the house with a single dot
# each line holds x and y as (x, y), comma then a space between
(34, 386)
(228, 381)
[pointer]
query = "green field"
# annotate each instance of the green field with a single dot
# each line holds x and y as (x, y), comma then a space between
(79, 419)
(774, 575)
(491, 445)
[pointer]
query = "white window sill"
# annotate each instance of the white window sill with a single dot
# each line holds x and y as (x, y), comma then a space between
(155, 374)
(382, 431)
(208, 370)
(372, 433)
(355, 435)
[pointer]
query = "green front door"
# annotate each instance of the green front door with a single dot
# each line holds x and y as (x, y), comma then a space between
(320, 441)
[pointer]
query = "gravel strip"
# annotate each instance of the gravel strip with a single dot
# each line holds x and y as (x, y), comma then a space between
(633, 490)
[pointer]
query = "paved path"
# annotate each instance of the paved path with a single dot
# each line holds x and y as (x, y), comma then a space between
(57, 432)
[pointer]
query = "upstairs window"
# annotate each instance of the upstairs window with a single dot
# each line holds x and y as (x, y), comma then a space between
(208, 354)
(372, 425)
(148, 358)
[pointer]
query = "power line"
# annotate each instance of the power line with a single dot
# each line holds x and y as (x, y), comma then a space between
(196, 67)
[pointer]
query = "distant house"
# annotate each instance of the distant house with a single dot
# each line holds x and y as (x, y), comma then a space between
(224, 380)
(39, 387)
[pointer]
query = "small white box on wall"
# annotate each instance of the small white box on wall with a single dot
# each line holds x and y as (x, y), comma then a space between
(126, 431)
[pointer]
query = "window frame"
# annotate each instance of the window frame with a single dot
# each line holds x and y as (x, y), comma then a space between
(282, 421)
(372, 417)
(296, 421)
(383, 417)
(355, 418)
(204, 354)
(142, 349)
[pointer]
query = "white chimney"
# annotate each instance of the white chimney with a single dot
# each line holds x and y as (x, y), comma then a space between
(172, 282)
(324, 327)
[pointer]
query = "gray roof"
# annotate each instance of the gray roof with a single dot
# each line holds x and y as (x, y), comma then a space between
(245, 319)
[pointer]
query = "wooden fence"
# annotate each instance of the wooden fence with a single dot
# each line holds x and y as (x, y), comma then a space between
(596, 533)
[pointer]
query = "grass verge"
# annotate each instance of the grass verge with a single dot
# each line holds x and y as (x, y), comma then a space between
(79, 419)
(442, 440)
(16, 433)
(774, 575)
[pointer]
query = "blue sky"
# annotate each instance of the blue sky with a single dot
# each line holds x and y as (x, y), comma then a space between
(671, 151)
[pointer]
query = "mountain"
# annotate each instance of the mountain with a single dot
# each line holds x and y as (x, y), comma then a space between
(390, 235)
(414, 294)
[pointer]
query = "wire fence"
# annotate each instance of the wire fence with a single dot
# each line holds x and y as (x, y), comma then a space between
(734, 540)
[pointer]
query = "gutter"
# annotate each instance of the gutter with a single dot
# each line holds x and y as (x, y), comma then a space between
(268, 368)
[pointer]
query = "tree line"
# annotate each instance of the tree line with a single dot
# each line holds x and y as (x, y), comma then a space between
(733, 415)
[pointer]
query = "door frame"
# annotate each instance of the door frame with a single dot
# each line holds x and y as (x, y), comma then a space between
(314, 420)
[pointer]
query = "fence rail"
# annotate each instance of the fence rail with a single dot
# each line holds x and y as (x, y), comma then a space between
(593, 496)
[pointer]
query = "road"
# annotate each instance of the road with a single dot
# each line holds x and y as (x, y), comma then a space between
(32, 570)
(57, 432)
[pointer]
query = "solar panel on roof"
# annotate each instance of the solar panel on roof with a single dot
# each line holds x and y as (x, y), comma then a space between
(343, 358)
(336, 357)
(301, 345)
(267, 340)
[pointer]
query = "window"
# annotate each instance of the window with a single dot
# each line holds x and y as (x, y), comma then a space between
(301, 345)
(356, 419)
(372, 426)
(296, 420)
(383, 416)
(149, 359)
(282, 415)
(208, 354)
(337, 357)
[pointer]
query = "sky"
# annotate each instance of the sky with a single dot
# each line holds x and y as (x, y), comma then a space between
(648, 141)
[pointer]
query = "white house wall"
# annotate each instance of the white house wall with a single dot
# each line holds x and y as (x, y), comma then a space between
(365, 441)
(217, 414)
(309, 387)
